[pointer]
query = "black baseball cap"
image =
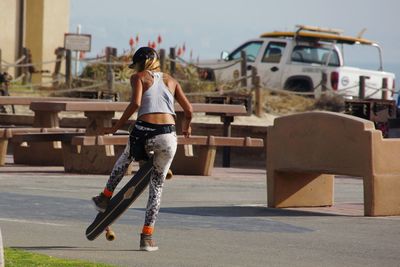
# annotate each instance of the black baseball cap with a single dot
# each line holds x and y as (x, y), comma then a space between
(142, 54)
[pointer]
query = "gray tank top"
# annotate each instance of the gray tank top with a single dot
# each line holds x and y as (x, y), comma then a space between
(158, 98)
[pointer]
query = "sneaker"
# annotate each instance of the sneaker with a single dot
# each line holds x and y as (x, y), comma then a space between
(101, 202)
(147, 243)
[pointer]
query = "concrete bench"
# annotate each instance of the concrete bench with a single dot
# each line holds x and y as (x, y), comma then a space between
(6, 133)
(201, 163)
(305, 150)
(45, 141)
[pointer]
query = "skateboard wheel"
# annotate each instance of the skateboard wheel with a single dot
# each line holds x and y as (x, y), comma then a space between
(169, 174)
(110, 235)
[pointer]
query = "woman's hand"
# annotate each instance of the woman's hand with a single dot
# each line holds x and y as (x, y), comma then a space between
(187, 109)
(187, 131)
(109, 130)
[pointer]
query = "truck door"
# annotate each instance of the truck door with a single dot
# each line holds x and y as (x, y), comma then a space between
(270, 67)
(252, 49)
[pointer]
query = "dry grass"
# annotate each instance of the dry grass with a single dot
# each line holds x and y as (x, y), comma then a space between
(333, 103)
(281, 103)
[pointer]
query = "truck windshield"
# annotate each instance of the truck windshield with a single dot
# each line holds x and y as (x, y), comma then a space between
(318, 55)
(251, 49)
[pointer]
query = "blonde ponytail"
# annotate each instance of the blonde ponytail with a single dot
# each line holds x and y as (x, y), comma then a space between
(151, 64)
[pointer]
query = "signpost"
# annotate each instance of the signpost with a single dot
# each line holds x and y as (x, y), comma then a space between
(75, 42)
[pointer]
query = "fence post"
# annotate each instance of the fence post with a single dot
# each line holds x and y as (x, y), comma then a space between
(25, 69)
(226, 150)
(110, 52)
(255, 79)
(173, 63)
(243, 69)
(162, 59)
(59, 56)
(361, 93)
(385, 92)
(68, 78)
(324, 81)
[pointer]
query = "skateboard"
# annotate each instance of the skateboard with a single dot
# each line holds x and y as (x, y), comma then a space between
(120, 202)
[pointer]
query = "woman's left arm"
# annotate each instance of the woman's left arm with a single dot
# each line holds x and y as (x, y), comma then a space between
(137, 91)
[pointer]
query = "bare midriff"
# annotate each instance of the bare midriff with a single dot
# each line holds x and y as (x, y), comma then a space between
(158, 118)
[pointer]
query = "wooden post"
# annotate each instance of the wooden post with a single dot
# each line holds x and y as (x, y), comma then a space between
(162, 60)
(1, 69)
(226, 150)
(385, 92)
(25, 69)
(68, 77)
(110, 52)
(255, 79)
(324, 81)
(361, 93)
(20, 32)
(59, 57)
(173, 63)
(3, 153)
(243, 69)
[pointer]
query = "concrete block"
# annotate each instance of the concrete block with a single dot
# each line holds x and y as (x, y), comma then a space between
(305, 150)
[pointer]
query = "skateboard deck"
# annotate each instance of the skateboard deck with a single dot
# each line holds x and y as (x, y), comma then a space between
(121, 201)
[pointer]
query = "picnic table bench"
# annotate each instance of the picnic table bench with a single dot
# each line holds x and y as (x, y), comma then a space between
(99, 115)
(21, 135)
(200, 163)
(46, 144)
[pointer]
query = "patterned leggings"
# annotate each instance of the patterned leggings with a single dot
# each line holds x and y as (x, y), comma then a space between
(163, 148)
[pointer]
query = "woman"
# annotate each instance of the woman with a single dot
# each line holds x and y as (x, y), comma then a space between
(153, 133)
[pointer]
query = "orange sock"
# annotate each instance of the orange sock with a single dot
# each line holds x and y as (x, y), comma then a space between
(107, 193)
(147, 230)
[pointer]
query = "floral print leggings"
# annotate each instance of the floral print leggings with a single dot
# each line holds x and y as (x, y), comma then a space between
(163, 148)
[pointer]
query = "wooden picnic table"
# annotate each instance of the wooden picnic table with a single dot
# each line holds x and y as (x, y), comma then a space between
(49, 152)
(100, 114)
(43, 120)
(27, 100)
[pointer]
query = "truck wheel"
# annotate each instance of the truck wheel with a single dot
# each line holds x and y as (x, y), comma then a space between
(298, 86)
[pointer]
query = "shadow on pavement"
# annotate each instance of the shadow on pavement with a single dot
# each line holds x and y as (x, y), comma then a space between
(240, 211)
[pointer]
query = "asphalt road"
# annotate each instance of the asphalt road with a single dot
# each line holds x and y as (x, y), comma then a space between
(221, 220)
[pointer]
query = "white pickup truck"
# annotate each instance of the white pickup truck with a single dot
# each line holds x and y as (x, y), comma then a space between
(309, 60)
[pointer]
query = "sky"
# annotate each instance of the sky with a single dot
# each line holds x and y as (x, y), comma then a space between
(208, 27)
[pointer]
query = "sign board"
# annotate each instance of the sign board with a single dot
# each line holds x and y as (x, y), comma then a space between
(77, 42)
